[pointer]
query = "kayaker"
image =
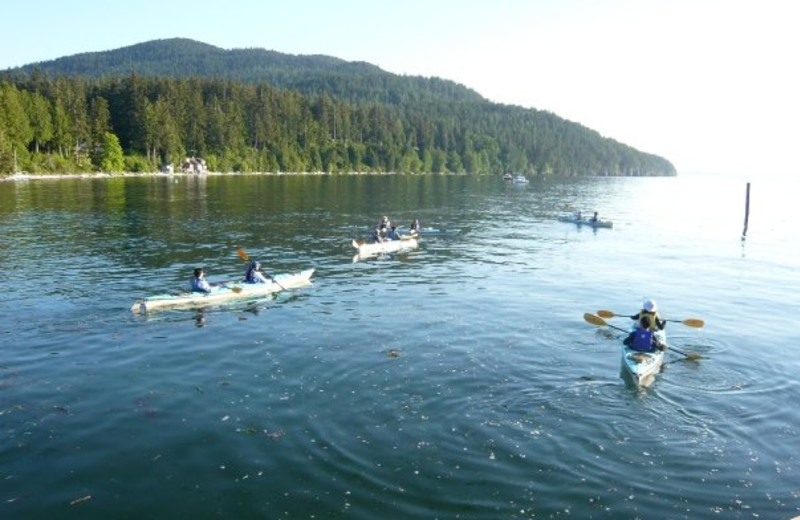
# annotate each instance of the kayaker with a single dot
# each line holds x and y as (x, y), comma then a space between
(384, 224)
(415, 225)
(648, 322)
(199, 282)
(578, 215)
(594, 218)
(253, 273)
(376, 235)
(649, 316)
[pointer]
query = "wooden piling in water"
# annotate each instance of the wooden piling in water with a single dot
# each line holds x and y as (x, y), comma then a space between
(746, 210)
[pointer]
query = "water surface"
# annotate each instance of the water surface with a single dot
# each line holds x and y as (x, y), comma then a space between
(455, 381)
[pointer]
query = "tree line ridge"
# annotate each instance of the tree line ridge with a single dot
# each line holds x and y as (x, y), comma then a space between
(140, 107)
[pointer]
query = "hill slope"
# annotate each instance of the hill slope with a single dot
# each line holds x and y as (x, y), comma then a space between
(257, 109)
(310, 74)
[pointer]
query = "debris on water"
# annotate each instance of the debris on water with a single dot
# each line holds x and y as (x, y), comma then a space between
(226, 418)
(275, 435)
(79, 500)
(393, 353)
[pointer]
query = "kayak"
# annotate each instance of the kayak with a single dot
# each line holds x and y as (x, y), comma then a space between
(643, 366)
(601, 223)
(367, 249)
(223, 293)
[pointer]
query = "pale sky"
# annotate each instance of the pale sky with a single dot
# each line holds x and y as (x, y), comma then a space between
(712, 85)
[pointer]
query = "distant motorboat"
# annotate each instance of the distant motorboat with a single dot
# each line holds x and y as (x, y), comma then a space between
(508, 177)
(520, 179)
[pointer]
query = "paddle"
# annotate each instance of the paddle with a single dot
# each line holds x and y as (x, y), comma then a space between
(600, 322)
(244, 256)
(690, 322)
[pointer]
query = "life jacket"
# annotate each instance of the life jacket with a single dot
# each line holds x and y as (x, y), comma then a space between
(648, 320)
(642, 340)
(248, 276)
(199, 285)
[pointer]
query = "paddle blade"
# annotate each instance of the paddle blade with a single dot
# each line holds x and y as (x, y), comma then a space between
(694, 322)
(693, 357)
(606, 314)
(243, 254)
(594, 320)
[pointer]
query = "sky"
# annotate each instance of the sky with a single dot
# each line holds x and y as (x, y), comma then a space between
(711, 85)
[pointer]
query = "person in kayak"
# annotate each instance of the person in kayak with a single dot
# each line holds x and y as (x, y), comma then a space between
(594, 218)
(415, 226)
(199, 282)
(254, 274)
(376, 235)
(643, 337)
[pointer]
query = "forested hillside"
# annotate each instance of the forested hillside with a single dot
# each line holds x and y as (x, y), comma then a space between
(138, 108)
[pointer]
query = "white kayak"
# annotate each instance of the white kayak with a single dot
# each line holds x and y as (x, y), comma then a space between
(223, 293)
(368, 249)
(643, 366)
(600, 223)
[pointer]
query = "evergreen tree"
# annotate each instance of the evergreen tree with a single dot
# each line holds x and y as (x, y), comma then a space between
(112, 158)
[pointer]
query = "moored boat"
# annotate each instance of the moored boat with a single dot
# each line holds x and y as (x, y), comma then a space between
(223, 293)
(642, 366)
(367, 249)
(520, 179)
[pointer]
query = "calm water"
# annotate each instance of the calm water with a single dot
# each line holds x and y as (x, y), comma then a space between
(456, 381)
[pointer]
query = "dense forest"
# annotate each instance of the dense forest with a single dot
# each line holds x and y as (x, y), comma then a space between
(142, 107)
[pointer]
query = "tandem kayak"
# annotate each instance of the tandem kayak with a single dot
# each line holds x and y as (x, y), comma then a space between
(601, 223)
(365, 250)
(642, 367)
(221, 294)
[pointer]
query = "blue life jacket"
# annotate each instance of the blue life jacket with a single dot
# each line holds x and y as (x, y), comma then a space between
(249, 276)
(200, 285)
(642, 340)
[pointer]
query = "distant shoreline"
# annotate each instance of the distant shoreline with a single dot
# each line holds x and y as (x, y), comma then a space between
(58, 176)
(19, 177)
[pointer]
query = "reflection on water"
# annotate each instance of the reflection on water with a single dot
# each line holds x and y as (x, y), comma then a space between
(455, 380)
